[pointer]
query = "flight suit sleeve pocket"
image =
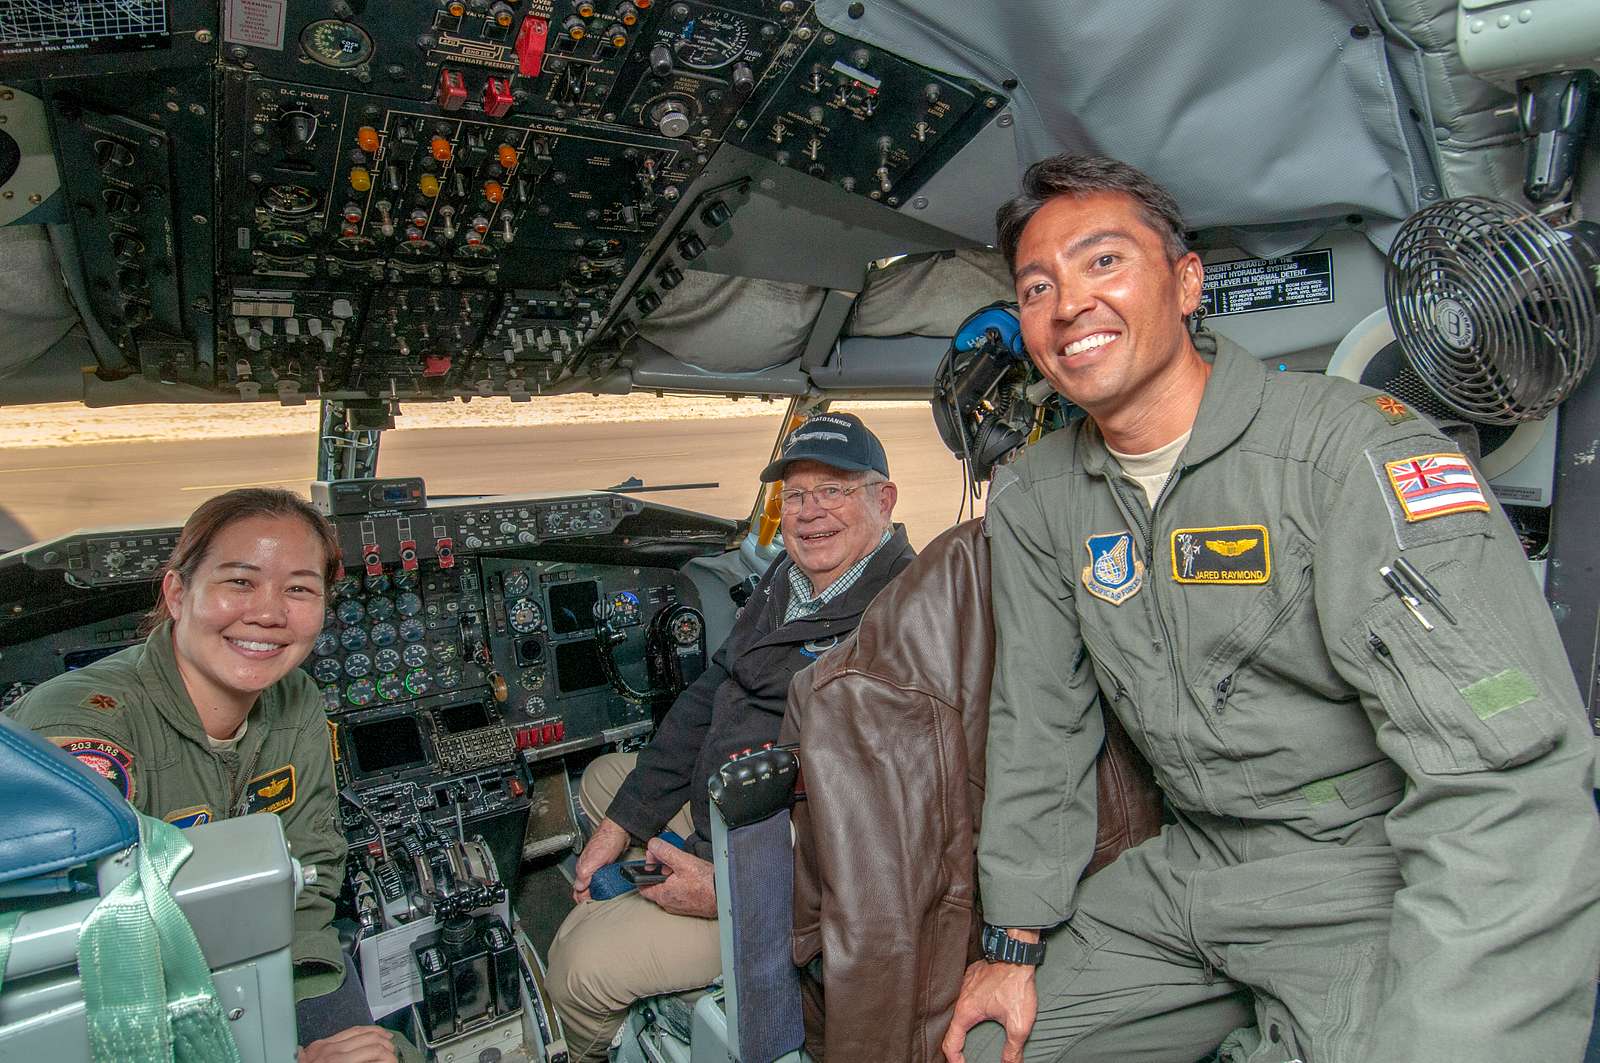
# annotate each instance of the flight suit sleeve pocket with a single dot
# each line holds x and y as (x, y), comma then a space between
(1459, 694)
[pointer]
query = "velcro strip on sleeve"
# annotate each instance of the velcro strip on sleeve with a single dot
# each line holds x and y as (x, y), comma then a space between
(1499, 692)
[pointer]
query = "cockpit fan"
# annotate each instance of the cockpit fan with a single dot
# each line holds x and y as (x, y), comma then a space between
(1496, 310)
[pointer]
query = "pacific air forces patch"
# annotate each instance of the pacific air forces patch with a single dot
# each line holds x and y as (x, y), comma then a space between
(1228, 555)
(192, 816)
(271, 791)
(106, 759)
(1113, 573)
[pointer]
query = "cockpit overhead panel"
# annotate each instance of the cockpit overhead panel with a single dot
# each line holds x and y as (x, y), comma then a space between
(426, 199)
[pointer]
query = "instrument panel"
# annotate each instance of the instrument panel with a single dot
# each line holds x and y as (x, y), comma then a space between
(436, 198)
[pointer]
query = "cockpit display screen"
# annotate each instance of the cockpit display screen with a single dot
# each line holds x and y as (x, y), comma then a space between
(572, 606)
(388, 745)
(578, 666)
(467, 716)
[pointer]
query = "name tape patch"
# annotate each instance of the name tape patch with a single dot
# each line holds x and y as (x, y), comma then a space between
(271, 791)
(1113, 574)
(1435, 485)
(1237, 555)
(106, 759)
(192, 816)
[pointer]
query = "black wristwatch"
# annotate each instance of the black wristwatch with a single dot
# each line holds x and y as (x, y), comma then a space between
(1001, 947)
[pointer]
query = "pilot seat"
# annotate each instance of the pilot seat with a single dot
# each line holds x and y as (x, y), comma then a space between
(67, 842)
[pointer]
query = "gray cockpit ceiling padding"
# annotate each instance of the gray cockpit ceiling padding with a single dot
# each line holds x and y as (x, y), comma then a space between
(37, 313)
(733, 324)
(1263, 113)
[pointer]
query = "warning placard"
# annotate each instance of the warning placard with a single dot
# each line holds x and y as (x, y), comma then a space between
(1247, 285)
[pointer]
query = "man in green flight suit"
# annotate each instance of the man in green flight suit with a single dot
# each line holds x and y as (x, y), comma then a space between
(1384, 843)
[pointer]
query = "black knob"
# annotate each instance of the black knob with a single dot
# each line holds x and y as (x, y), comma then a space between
(296, 128)
(744, 79)
(125, 248)
(661, 61)
(130, 279)
(716, 214)
(691, 247)
(669, 277)
(109, 154)
(647, 301)
(121, 201)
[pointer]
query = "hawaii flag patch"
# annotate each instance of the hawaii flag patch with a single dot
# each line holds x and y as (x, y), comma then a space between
(1435, 485)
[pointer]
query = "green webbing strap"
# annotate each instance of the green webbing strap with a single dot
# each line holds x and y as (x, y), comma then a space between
(8, 930)
(146, 986)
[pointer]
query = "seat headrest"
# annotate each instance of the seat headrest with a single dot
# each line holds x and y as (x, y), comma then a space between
(58, 813)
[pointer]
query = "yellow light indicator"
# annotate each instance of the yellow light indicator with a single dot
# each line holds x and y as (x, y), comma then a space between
(507, 156)
(457, 9)
(493, 192)
(360, 179)
(586, 10)
(577, 32)
(367, 139)
(627, 14)
(618, 38)
(642, 5)
(503, 18)
(429, 185)
(441, 149)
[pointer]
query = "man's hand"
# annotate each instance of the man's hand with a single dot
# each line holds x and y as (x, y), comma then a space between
(607, 844)
(358, 1044)
(690, 888)
(1004, 992)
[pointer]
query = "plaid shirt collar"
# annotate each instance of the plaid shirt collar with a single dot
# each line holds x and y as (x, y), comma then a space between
(801, 600)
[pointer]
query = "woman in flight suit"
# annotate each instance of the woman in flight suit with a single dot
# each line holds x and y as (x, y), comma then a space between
(211, 717)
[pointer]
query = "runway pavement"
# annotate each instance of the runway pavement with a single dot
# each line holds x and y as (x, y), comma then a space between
(149, 484)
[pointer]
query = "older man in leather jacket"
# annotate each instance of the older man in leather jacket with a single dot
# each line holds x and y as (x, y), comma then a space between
(841, 550)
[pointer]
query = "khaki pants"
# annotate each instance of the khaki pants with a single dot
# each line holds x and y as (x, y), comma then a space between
(609, 954)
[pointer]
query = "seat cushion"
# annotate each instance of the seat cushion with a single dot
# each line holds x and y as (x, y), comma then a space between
(57, 813)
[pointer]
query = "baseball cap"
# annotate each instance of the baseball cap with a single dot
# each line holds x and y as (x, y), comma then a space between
(838, 440)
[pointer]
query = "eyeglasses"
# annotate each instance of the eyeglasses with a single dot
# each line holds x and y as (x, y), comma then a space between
(828, 496)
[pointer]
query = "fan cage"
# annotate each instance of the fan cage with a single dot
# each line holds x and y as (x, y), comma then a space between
(1495, 309)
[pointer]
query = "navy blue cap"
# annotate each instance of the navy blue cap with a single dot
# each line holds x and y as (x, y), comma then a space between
(838, 440)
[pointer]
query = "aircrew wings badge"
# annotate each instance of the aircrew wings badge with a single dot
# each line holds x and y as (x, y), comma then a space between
(1113, 573)
(1435, 485)
(271, 791)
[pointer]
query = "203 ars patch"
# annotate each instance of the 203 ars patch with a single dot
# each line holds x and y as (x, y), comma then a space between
(106, 759)
(1235, 555)
(271, 791)
(1435, 485)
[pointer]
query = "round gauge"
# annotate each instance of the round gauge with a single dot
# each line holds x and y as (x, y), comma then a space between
(412, 630)
(390, 687)
(351, 612)
(11, 693)
(347, 586)
(330, 620)
(406, 580)
(327, 644)
(353, 638)
(517, 582)
(533, 705)
(282, 240)
(380, 608)
(357, 665)
(686, 629)
(433, 611)
(711, 40)
(531, 678)
(625, 607)
(341, 45)
(386, 660)
(526, 616)
(330, 699)
(415, 655)
(384, 634)
(448, 677)
(377, 584)
(408, 604)
(361, 692)
(326, 670)
(287, 203)
(418, 681)
(445, 650)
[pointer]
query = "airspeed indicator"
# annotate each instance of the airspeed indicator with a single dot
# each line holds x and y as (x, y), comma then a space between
(711, 40)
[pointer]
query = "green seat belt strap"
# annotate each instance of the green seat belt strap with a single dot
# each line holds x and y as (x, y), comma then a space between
(8, 930)
(146, 986)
